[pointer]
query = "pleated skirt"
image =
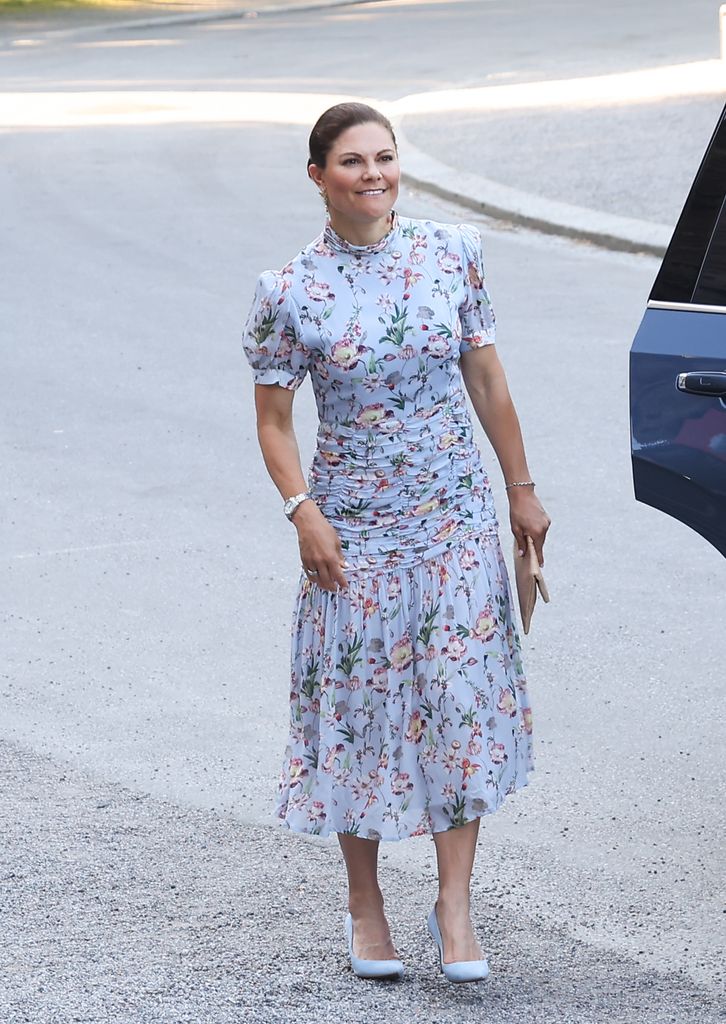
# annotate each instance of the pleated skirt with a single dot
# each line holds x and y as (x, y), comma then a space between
(409, 709)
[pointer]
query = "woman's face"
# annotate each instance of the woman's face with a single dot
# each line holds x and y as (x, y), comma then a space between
(361, 173)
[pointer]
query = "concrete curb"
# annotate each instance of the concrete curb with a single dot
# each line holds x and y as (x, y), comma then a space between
(194, 18)
(624, 234)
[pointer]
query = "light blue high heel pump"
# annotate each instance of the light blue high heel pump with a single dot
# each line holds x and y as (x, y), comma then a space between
(460, 970)
(370, 968)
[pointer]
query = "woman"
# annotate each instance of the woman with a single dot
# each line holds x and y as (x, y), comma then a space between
(409, 707)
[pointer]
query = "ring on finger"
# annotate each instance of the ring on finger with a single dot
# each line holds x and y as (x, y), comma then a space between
(310, 572)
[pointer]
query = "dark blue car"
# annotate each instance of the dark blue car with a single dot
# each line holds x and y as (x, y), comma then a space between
(678, 364)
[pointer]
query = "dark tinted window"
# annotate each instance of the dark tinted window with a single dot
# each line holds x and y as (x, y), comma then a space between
(700, 230)
(711, 284)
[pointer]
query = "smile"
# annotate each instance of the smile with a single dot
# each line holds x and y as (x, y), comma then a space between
(372, 192)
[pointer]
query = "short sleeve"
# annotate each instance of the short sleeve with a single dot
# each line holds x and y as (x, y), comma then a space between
(475, 309)
(272, 337)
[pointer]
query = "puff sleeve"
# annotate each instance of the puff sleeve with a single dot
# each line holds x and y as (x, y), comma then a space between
(475, 309)
(272, 337)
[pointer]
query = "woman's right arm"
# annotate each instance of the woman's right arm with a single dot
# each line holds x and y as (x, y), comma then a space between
(319, 542)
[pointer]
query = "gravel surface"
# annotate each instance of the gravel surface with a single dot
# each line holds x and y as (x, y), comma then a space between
(119, 907)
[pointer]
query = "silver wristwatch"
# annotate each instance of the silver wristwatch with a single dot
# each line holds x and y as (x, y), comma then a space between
(292, 504)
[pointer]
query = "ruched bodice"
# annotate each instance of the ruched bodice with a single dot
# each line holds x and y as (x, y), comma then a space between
(381, 329)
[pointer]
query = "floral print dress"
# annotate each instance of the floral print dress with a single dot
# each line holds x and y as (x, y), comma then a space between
(409, 710)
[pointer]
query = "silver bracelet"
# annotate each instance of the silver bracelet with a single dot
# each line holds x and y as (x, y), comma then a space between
(520, 483)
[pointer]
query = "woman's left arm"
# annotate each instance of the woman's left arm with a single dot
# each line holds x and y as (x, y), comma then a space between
(486, 384)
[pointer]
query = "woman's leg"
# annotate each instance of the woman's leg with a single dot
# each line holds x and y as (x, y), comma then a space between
(371, 937)
(455, 850)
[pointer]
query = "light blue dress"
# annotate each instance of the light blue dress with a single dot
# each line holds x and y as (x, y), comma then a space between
(409, 710)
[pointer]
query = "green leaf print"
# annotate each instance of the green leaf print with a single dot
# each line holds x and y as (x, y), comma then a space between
(427, 628)
(265, 327)
(468, 717)
(445, 330)
(457, 811)
(462, 630)
(354, 509)
(427, 709)
(398, 328)
(309, 683)
(347, 732)
(351, 657)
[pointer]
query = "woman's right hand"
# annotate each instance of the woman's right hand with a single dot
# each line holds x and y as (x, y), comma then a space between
(320, 547)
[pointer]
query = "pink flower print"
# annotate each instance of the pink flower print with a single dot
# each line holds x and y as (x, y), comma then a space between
(408, 352)
(473, 748)
(449, 263)
(386, 303)
(390, 425)
(437, 345)
(375, 776)
(355, 683)
(455, 649)
(372, 799)
(318, 291)
(430, 652)
(402, 653)
(411, 277)
(369, 607)
(371, 415)
(297, 771)
(401, 783)
(446, 441)
(426, 506)
(450, 760)
(445, 530)
(394, 589)
(469, 767)
(317, 811)
(380, 679)
(345, 353)
(527, 719)
(506, 703)
(360, 788)
(416, 728)
(472, 272)
(329, 762)
(389, 273)
(485, 627)
(468, 559)
(332, 458)
(497, 752)
(448, 792)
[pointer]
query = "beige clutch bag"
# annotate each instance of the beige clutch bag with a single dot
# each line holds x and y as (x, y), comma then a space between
(529, 579)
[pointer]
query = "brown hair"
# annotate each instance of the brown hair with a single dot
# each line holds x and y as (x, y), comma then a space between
(334, 121)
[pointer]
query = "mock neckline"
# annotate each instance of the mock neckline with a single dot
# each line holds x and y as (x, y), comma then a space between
(335, 241)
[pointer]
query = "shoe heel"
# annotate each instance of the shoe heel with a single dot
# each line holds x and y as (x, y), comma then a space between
(370, 968)
(459, 970)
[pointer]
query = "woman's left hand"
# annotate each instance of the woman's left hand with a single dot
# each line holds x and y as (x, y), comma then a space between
(528, 517)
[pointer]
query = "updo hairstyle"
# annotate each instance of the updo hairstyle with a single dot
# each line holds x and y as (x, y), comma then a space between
(334, 121)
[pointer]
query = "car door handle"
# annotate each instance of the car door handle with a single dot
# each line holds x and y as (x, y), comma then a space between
(712, 383)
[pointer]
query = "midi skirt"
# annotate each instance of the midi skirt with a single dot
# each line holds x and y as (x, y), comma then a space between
(409, 710)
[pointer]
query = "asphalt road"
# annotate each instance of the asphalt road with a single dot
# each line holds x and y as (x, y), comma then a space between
(151, 576)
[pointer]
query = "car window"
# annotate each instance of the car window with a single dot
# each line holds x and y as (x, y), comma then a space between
(694, 267)
(711, 283)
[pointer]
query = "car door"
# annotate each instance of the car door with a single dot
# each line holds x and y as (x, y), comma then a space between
(678, 364)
